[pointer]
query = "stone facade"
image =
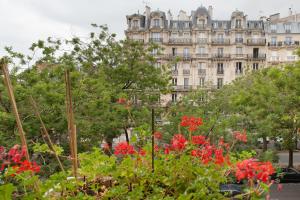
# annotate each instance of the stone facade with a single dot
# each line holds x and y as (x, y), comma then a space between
(212, 52)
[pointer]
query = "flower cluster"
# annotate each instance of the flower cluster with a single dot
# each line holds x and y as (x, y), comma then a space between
(178, 142)
(123, 148)
(121, 101)
(158, 135)
(251, 169)
(240, 136)
(191, 122)
(15, 158)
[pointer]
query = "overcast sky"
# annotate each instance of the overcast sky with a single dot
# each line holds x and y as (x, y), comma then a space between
(25, 21)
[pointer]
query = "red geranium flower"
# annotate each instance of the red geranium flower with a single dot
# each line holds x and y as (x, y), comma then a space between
(199, 139)
(240, 136)
(121, 101)
(192, 122)
(178, 142)
(157, 135)
(142, 152)
(123, 148)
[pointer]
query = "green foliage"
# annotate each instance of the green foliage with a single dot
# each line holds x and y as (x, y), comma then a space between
(43, 148)
(6, 191)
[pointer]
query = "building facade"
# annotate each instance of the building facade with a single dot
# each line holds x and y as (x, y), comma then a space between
(210, 53)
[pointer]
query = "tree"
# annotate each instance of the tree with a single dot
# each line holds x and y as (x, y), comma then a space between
(102, 71)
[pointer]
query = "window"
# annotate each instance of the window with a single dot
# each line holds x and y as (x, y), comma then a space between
(273, 41)
(174, 97)
(220, 69)
(174, 51)
(201, 82)
(220, 36)
(186, 25)
(158, 65)
(202, 35)
(273, 27)
(174, 67)
(174, 24)
(186, 51)
(220, 52)
(238, 68)
(288, 40)
(201, 50)
(287, 28)
(219, 83)
(201, 22)
(156, 22)
(154, 51)
(135, 23)
(239, 50)
(186, 34)
(186, 83)
(174, 81)
(155, 35)
(255, 66)
(238, 23)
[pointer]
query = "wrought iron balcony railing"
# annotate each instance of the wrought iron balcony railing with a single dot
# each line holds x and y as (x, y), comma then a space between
(256, 41)
(220, 41)
(180, 41)
(202, 40)
(257, 56)
(159, 40)
(201, 71)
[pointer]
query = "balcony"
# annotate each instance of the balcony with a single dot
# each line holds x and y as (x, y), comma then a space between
(202, 40)
(202, 72)
(239, 40)
(182, 87)
(156, 40)
(220, 72)
(220, 41)
(239, 56)
(238, 72)
(201, 55)
(257, 56)
(138, 40)
(181, 56)
(201, 26)
(180, 41)
(186, 72)
(174, 72)
(220, 56)
(256, 42)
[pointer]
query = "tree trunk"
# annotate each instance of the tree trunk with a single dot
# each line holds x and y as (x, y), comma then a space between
(126, 135)
(265, 144)
(291, 157)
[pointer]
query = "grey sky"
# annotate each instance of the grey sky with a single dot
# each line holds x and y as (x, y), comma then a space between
(25, 21)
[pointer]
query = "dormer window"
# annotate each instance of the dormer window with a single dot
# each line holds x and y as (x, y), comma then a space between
(287, 28)
(135, 24)
(238, 23)
(201, 22)
(156, 22)
(273, 28)
(186, 25)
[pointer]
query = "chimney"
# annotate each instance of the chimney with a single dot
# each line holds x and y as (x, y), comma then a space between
(147, 14)
(210, 11)
(169, 17)
(290, 12)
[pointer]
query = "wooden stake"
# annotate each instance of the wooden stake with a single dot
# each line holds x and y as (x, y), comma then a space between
(45, 132)
(8, 84)
(71, 125)
(153, 145)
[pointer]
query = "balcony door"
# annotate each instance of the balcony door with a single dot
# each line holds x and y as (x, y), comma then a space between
(186, 83)
(255, 52)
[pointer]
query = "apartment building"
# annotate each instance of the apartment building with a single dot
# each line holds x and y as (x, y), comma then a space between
(207, 53)
(283, 38)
